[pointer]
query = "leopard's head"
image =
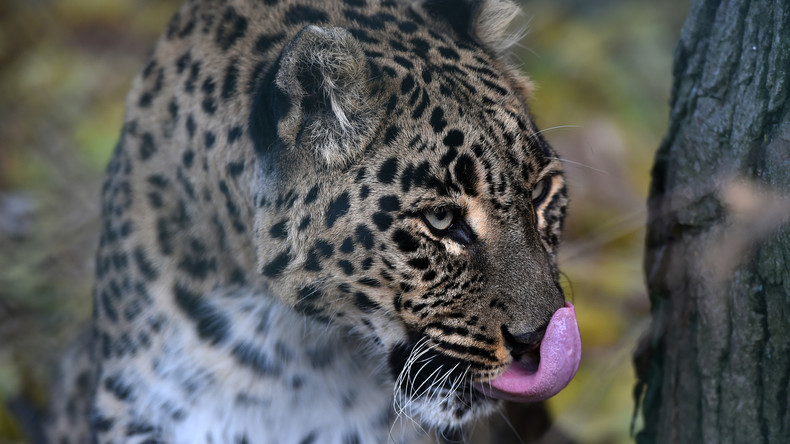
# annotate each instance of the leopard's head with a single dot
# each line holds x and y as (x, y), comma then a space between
(413, 200)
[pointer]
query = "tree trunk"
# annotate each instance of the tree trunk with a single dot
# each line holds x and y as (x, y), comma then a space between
(715, 365)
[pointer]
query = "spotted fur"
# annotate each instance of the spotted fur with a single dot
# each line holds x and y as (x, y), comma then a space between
(267, 269)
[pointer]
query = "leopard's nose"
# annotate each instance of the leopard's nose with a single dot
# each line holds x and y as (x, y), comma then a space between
(524, 343)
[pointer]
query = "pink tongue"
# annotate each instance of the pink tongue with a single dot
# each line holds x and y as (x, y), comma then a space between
(560, 352)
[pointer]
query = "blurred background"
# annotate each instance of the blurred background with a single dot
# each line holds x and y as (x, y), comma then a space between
(603, 71)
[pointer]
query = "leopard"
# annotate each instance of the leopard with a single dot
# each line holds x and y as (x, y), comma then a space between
(323, 222)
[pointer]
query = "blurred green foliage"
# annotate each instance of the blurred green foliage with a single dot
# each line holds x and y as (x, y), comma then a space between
(603, 71)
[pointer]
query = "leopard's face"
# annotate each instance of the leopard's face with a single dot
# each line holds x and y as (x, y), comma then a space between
(466, 213)
(435, 236)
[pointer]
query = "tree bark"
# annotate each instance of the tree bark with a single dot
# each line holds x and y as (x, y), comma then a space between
(715, 365)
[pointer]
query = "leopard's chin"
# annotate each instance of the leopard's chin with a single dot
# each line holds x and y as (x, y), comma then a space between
(447, 410)
(435, 389)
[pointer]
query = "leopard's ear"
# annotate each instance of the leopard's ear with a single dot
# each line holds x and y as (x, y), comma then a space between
(484, 20)
(321, 96)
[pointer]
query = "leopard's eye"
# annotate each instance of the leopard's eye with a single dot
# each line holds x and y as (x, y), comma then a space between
(540, 191)
(439, 218)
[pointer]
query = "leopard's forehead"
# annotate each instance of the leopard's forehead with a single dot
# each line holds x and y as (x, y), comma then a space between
(442, 97)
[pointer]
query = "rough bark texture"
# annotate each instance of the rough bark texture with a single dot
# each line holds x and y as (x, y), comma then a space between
(715, 366)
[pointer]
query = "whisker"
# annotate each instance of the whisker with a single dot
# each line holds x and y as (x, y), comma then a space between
(510, 425)
(558, 127)
(606, 233)
(573, 162)
(402, 405)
